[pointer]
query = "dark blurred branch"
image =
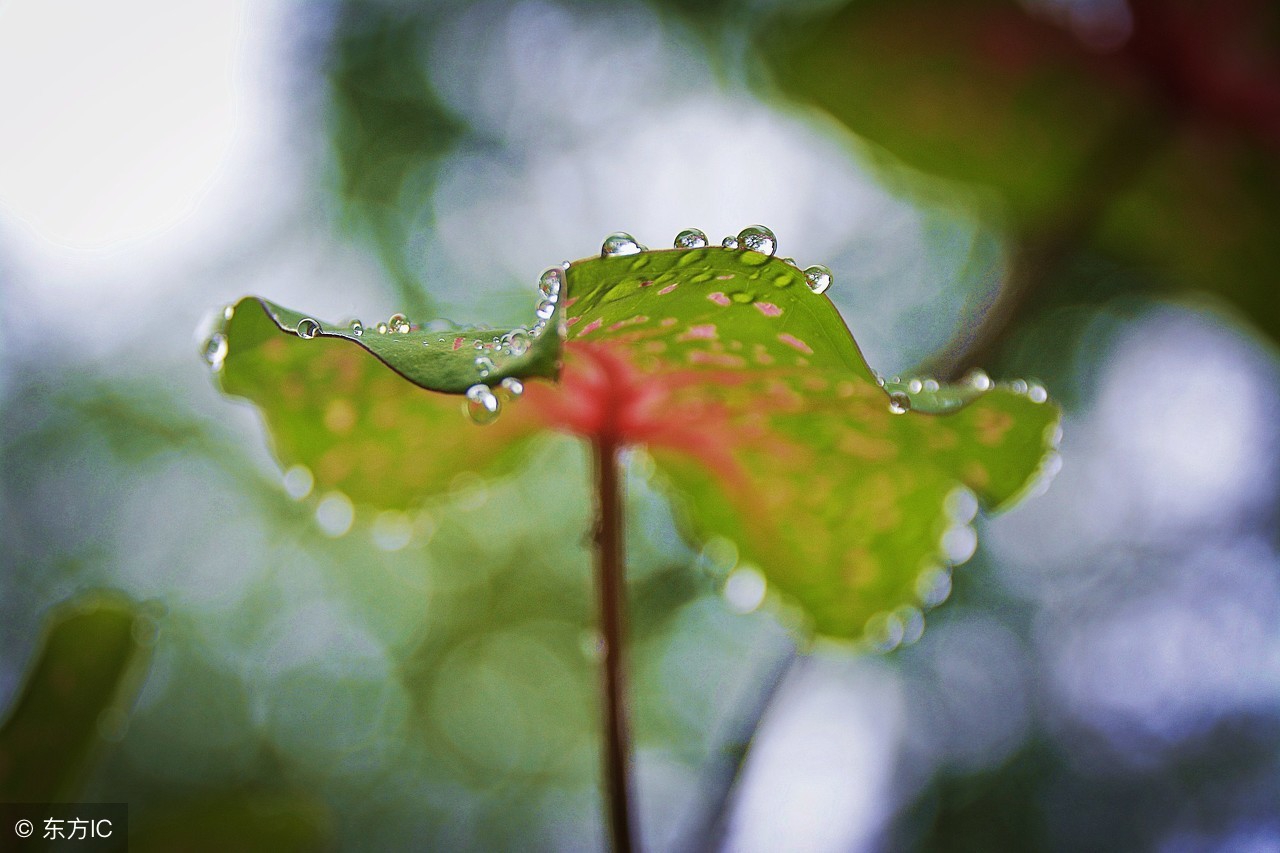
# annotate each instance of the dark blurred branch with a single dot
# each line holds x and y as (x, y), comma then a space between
(1040, 252)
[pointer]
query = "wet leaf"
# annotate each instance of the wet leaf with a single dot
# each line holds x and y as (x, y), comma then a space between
(743, 383)
(750, 393)
(85, 677)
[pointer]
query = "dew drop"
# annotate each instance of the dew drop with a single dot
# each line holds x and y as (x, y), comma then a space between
(334, 514)
(484, 365)
(545, 309)
(298, 482)
(215, 351)
(879, 378)
(382, 328)
(1037, 393)
(618, 244)
(398, 323)
(933, 586)
(744, 589)
(356, 327)
(932, 386)
(510, 388)
(915, 386)
(550, 282)
(818, 277)
(899, 403)
(308, 328)
(516, 342)
(729, 242)
(1018, 386)
(912, 623)
(791, 262)
(757, 238)
(691, 238)
(228, 311)
(884, 631)
(392, 530)
(979, 380)
(482, 404)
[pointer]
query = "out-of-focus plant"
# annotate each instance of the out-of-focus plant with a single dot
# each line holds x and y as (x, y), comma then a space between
(834, 488)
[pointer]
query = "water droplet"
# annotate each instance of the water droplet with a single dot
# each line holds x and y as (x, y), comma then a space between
(545, 309)
(744, 589)
(356, 327)
(298, 482)
(516, 342)
(912, 623)
(899, 403)
(510, 388)
(484, 366)
(791, 262)
(729, 242)
(392, 530)
(879, 378)
(961, 505)
(550, 282)
(215, 351)
(398, 323)
(1037, 393)
(933, 586)
(334, 514)
(691, 238)
(915, 386)
(757, 238)
(308, 328)
(620, 243)
(228, 311)
(1018, 386)
(478, 344)
(979, 380)
(931, 385)
(818, 277)
(884, 631)
(959, 543)
(381, 328)
(483, 406)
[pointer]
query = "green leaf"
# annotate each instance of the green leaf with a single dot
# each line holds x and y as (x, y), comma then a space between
(86, 675)
(766, 419)
(743, 383)
(331, 406)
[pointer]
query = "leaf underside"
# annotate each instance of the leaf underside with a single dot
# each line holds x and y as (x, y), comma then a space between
(745, 386)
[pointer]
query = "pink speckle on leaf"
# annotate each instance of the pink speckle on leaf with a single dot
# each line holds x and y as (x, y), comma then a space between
(458, 342)
(591, 327)
(705, 332)
(622, 324)
(646, 283)
(668, 289)
(668, 321)
(719, 298)
(719, 359)
(724, 277)
(795, 343)
(768, 309)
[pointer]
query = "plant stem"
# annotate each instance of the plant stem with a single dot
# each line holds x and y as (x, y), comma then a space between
(610, 587)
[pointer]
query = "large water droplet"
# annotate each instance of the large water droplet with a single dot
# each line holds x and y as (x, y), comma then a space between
(550, 282)
(215, 351)
(484, 366)
(308, 328)
(691, 238)
(398, 323)
(620, 243)
(545, 309)
(757, 238)
(356, 327)
(899, 403)
(516, 342)
(1037, 393)
(744, 590)
(729, 242)
(483, 406)
(334, 514)
(818, 278)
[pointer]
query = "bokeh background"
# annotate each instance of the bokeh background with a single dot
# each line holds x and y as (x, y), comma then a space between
(1080, 191)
